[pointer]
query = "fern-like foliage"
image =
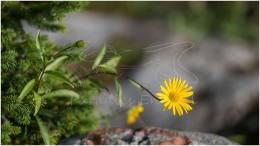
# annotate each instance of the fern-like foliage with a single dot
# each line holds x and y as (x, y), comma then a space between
(28, 58)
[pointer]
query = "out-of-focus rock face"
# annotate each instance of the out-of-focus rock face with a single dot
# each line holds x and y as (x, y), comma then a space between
(147, 136)
(98, 29)
(224, 75)
(225, 81)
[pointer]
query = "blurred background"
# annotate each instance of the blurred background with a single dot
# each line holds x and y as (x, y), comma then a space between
(213, 45)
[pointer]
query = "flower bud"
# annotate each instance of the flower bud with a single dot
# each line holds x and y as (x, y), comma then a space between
(80, 44)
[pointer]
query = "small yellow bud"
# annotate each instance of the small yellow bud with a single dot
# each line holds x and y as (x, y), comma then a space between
(134, 112)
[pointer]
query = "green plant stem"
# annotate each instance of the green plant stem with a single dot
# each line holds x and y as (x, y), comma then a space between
(64, 49)
(39, 80)
(145, 89)
(41, 76)
(42, 73)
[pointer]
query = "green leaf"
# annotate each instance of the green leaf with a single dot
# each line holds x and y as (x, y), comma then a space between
(99, 57)
(56, 63)
(60, 77)
(99, 84)
(38, 100)
(37, 41)
(61, 93)
(38, 46)
(27, 89)
(110, 65)
(118, 92)
(136, 84)
(44, 131)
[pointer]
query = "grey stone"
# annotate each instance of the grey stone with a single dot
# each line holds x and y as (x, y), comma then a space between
(120, 142)
(151, 135)
(145, 142)
(199, 138)
(75, 140)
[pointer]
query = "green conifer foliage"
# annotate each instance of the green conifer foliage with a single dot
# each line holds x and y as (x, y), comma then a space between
(42, 101)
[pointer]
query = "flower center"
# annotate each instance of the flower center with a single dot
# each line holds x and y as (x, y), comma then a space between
(172, 96)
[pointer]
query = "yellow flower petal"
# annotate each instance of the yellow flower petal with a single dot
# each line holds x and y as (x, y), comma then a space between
(174, 95)
(186, 94)
(164, 90)
(166, 104)
(166, 85)
(187, 106)
(170, 105)
(161, 95)
(163, 100)
(188, 101)
(179, 110)
(170, 84)
(173, 109)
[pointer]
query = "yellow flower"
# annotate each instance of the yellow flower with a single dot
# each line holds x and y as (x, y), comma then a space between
(174, 95)
(134, 112)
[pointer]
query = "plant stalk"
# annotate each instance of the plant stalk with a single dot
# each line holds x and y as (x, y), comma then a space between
(144, 88)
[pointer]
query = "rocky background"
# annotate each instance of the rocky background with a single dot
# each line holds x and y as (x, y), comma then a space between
(223, 69)
(146, 136)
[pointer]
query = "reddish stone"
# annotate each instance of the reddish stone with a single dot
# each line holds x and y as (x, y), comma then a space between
(177, 141)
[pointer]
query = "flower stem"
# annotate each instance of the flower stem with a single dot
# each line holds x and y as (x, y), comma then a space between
(144, 88)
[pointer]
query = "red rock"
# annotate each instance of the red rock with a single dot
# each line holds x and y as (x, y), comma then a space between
(176, 141)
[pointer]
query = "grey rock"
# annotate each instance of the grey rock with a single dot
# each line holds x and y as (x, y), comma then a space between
(151, 135)
(120, 142)
(138, 137)
(145, 142)
(199, 138)
(75, 140)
